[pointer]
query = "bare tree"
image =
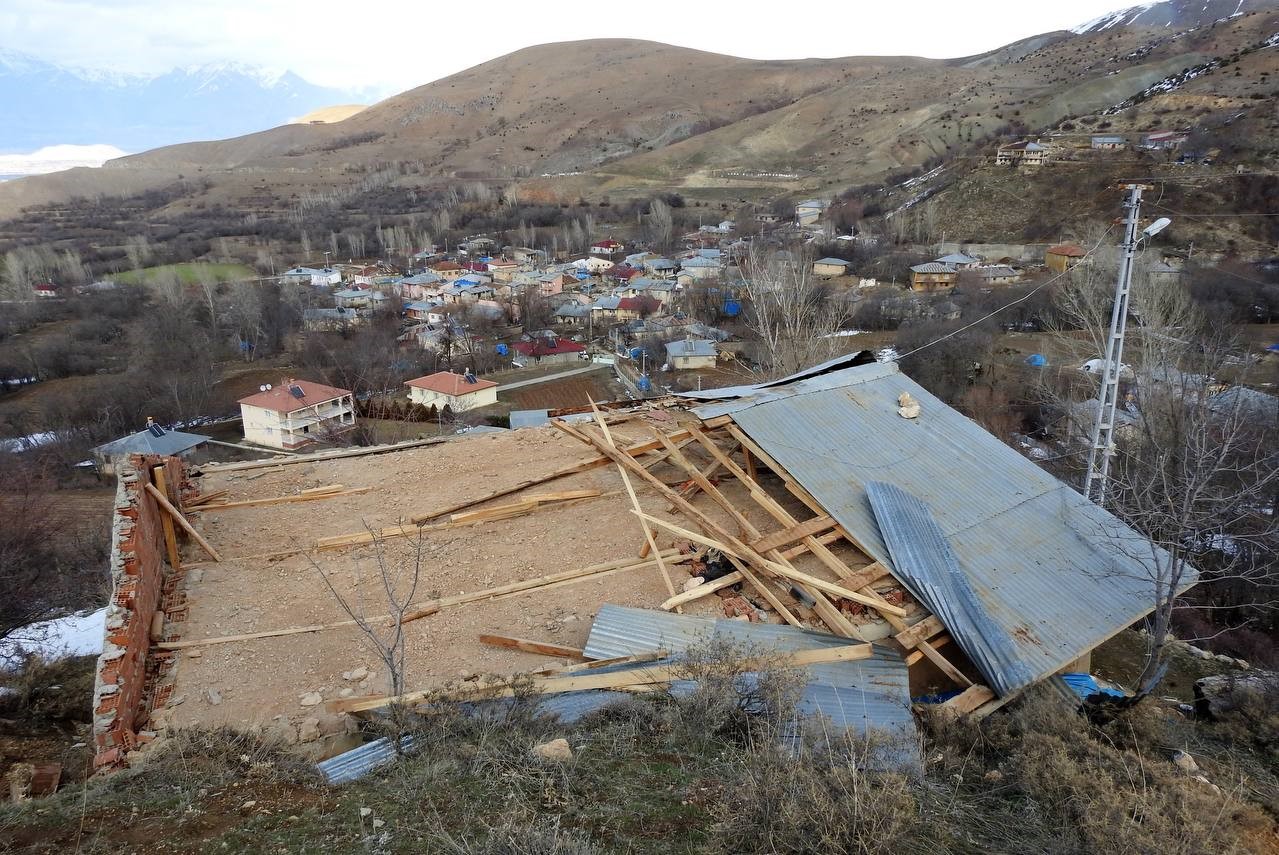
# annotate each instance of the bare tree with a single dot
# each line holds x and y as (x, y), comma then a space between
(792, 314)
(395, 573)
(660, 223)
(1194, 471)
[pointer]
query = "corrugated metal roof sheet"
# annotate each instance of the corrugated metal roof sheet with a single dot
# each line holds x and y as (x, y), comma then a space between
(865, 694)
(358, 762)
(1058, 573)
(859, 357)
(927, 566)
(145, 442)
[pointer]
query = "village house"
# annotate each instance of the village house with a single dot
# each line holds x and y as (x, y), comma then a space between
(830, 267)
(691, 353)
(998, 274)
(1107, 142)
(447, 270)
(352, 298)
(458, 392)
(153, 439)
(699, 268)
(1023, 153)
(1163, 140)
(547, 350)
(1062, 257)
(810, 211)
(932, 276)
(502, 269)
(295, 413)
(607, 247)
(317, 319)
(662, 268)
(420, 286)
(318, 277)
(573, 314)
(959, 260)
(45, 290)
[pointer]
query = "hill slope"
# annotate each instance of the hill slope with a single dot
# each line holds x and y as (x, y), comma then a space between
(623, 116)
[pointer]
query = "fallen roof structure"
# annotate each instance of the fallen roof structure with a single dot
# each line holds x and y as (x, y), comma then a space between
(844, 500)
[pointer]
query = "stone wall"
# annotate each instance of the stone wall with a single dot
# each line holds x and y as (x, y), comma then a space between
(139, 574)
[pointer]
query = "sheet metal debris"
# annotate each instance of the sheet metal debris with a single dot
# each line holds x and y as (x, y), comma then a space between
(926, 565)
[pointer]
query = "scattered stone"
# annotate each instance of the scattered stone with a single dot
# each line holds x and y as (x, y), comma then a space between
(356, 675)
(366, 811)
(80, 745)
(1242, 664)
(309, 730)
(249, 804)
(1219, 694)
(569, 619)
(1221, 657)
(346, 693)
(994, 776)
(311, 699)
(195, 653)
(556, 749)
(377, 823)
(214, 696)
(907, 407)
(1201, 779)
(1185, 762)
(693, 583)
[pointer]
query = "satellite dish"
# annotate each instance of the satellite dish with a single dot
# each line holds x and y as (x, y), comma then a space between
(268, 387)
(262, 388)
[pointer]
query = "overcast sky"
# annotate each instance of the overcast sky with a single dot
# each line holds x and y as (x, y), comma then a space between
(390, 45)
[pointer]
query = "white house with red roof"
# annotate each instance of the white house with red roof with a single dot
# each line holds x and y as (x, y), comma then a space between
(456, 391)
(295, 413)
(608, 246)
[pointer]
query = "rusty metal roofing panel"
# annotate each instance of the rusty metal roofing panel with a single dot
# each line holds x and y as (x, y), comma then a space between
(1060, 574)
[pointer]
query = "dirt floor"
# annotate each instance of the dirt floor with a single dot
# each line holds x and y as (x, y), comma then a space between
(262, 683)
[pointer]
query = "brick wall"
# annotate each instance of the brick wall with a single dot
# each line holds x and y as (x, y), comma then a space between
(139, 572)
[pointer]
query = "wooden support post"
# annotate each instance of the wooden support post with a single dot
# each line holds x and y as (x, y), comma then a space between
(170, 534)
(527, 646)
(164, 502)
(630, 490)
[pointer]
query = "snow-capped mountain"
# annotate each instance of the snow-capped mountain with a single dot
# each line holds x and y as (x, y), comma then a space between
(43, 104)
(1172, 14)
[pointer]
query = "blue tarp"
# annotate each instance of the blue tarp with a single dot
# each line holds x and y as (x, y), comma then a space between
(1036, 360)
(1086, 685)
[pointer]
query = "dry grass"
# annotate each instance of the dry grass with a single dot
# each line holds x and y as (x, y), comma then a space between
(697, 772)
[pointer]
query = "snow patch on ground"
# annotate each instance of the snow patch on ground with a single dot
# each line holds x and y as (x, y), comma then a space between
(72, 635)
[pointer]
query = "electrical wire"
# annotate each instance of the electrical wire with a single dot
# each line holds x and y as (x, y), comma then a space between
(1023, 298)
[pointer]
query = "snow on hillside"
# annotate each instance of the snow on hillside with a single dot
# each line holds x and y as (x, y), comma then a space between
(55, 158)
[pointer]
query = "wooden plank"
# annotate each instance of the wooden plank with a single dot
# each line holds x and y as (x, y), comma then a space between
(428, 608)
(596, 664)
(305, 496)
(319, 456)
(800, 549)
(528, 646)
(781, 570)
(807, 528)
(164, 502)
(922, 631)
(611, 680)
(716, 422)
(916, 655)
(943, 664)
(635, 503)
(170, 535)
(205, 498)
(704, 589)
(969, 700)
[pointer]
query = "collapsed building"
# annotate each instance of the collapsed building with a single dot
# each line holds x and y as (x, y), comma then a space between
(843, 519)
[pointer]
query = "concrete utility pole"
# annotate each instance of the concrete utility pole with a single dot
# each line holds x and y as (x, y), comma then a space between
(1103, 431)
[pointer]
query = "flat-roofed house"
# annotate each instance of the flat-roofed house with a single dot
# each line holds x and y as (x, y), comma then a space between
(458, 392)
(295, 413)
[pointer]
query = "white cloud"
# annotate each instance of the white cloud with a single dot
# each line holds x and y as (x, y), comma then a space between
(393, 45)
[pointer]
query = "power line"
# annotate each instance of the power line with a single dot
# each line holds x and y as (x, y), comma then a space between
(1023, 298)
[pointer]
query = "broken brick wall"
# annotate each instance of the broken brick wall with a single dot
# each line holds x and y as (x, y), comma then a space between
(138, 574)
